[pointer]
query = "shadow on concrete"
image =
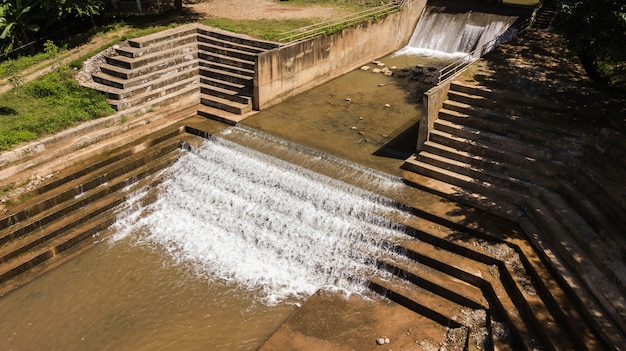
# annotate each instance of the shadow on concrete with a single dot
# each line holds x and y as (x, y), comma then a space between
(538, 66)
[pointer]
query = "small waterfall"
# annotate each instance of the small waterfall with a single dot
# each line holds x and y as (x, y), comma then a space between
(234, 214)
(455, 33)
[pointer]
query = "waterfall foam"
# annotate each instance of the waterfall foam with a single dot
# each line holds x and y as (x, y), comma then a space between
(235, 214)
(455, 34)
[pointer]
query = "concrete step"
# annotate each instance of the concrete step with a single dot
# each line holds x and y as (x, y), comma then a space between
(580, 263)
(477, 269)
(36, 236)
(241, 88)
(499, 100)
(521, 270)
(227, 76)
(53, 201)
(188, 52)
(21, 256)
(606, 257)
(502, 142)
(515, 275)
(535, 107)
(226, 60)
(417, 300)
(223, 51)
(604, 223)
(606, 165)
(526, 131)
(487, 150)
(163, 36)
(121, 83)
(511, 182)
(612, 188)
(221, 115)
(531, 171)
(165, 95)
(239, 39)
(152, 83)
(226, 105)
(136, 52)
(229, 44)
(230, 95)
(533, 121)
(480, 90)
(472, 99)
(227, 68)
(164, 65)
(453, 192)
(605, 332)
(428, 278)
(488, 191)
(50, 249)
(597, 196)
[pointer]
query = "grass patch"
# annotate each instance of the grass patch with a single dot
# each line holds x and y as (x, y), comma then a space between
(54, 102)
(340, 3)
(263, 28)
(23, 62)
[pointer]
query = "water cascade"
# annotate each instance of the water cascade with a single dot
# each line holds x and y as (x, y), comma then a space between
(456, 33)
(237, 215)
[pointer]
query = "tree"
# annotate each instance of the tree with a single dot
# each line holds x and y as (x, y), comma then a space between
(596, 29)
(17, 22)
(62, 9)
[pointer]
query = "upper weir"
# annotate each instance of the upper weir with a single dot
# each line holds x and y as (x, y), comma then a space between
(457, 32)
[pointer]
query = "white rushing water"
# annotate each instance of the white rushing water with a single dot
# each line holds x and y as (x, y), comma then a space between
(453, 35)
(241, 216)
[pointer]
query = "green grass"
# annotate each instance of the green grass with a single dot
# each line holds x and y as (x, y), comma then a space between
(263, 28)
(45, 106)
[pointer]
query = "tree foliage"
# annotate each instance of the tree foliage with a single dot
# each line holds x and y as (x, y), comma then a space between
(596, 29)
(22, 20)
(62, 9)
(17, 23)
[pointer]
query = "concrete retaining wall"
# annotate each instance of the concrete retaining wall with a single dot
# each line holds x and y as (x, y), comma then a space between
(431, 104)
(292, 69)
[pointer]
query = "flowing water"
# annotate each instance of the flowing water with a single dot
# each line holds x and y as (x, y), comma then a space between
(235, 215)
(234, 242)
(456, 33)
(236, 239)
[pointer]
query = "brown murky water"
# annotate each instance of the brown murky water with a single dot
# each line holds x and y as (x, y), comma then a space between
(124, 296)
(120, 296)
(365, 117)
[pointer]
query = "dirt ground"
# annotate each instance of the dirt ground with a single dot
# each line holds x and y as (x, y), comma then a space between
(260, 9)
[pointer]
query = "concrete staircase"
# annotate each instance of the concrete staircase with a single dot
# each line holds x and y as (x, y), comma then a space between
(190, 64)
(563, 185)
(496, 293)
(545, 14)
(61, 216)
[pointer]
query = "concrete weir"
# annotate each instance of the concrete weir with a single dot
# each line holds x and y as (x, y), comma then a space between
(413, 275)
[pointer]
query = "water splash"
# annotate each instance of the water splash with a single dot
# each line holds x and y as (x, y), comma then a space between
(450, 35)
(234, 214)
